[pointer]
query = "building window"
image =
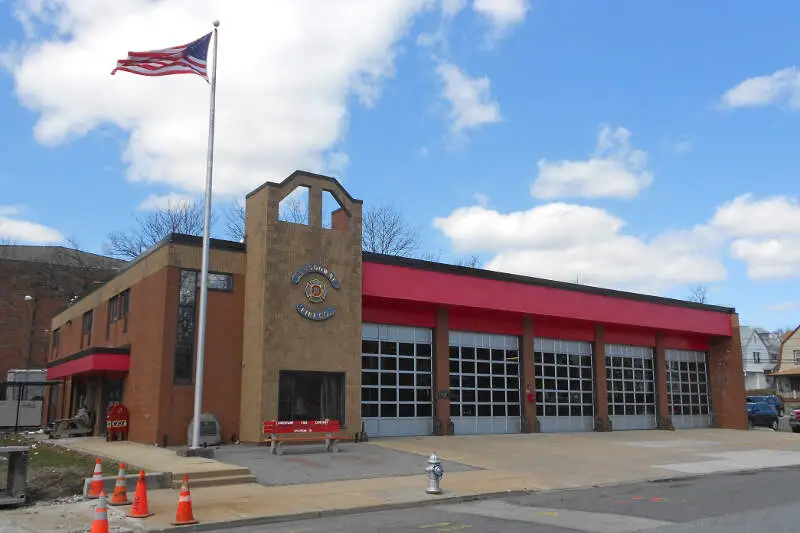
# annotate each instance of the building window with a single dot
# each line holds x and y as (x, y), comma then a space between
(187, 320)
(217, 281)
(86, 331)
(756, 357)
(797, 357)
(773, 356)
(56, 342)
(311, 396)
(124, 308)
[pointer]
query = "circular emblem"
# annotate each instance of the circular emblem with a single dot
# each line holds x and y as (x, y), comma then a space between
(316, 291)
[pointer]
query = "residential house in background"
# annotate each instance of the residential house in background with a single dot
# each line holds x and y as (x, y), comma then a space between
(37, 283)
(787, 374)
(760, 352)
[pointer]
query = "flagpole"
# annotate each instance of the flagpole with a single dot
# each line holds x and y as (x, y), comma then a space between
(201, 323)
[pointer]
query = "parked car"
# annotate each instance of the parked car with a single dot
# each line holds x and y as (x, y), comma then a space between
(762, 414)
(794, 420)
(771, 399)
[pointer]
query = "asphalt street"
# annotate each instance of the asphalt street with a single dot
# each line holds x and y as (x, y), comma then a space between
(748, 502)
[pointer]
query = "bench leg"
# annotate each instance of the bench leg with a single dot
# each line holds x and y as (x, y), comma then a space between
(273, 445)
(278, 447)
(336, 445)
(328, 444)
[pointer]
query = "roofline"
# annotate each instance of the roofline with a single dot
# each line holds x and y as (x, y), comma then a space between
(293, 175)
(172, 238)
(118, 350)
(783, 341)
(444, 268)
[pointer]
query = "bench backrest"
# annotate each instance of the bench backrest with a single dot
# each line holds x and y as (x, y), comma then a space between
(279, 427)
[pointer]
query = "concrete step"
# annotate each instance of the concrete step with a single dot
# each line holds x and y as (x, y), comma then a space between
(233, 471)
(214, 481)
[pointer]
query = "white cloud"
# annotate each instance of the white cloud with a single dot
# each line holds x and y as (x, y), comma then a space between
(765, 233)
(15, 229)
(286, 72)
(164, 201)
(501, 14)
(566, 241)
(615, 170)
(470, 99)
(784, 306)
(783, 86)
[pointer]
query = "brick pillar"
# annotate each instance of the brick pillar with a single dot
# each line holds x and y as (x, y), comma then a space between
(601, 422)
(527, 377)
(726, 377)
(441, 372)
(663, 417)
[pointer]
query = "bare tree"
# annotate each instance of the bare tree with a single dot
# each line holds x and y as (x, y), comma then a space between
(180, 217)
(432, 255)
(386, 231)
(698, 294)
(234, 221)
(471, 261)
(780, 332)
(293, 210)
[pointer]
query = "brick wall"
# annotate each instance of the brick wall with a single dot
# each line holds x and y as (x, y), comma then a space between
(50, 285)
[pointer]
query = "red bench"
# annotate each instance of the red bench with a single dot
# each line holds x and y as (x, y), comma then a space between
(278, 432)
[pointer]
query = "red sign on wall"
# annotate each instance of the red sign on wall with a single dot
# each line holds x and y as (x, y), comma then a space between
(117, 418)
(301, 426)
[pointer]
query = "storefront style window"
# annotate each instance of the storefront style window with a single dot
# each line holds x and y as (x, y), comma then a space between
(187, 328)
(311, 396)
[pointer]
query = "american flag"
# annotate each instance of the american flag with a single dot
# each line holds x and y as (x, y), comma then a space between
(187, 59)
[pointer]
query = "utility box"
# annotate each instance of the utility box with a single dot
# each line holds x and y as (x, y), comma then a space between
(17, 476)
(210, 431)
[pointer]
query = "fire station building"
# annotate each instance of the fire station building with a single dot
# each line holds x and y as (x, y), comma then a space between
(303, 325)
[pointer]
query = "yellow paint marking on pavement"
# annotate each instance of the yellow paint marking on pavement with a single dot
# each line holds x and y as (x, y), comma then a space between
(547, 513)
(455, 528)
(429, 526)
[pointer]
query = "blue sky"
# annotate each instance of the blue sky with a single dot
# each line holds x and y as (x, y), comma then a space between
(645, 146)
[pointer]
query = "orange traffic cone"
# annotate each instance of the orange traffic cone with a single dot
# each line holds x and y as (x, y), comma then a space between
(140, 508)
(100, 522)
(184, 516)
(120, 496)
(97, 481)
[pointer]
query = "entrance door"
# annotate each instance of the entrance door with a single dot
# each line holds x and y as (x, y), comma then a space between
(111, 392)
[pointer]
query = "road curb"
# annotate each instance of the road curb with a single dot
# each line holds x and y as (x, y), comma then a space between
(265, 520)
(436, 500)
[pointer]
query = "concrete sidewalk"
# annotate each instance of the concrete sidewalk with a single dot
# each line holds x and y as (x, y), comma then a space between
(510, 463)
(204, 472)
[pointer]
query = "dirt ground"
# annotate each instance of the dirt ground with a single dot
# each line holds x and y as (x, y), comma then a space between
(53, 472)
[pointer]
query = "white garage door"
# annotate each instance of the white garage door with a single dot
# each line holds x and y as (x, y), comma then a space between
(687, 389)
(396, 382)
(631, 387)
(484, 383)
(564, 387)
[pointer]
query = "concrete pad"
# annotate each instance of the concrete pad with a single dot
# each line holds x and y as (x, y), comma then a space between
(311, 464)
(154, 480)
(152, 458)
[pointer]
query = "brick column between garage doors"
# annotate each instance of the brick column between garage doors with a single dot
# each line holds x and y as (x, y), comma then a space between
(601, 421)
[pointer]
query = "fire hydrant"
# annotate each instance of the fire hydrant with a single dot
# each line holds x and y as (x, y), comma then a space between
(435, 473)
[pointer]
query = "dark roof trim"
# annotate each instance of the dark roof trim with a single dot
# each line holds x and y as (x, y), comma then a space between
(514, 278)
(194, 240)
(296, 173)
(124, 350)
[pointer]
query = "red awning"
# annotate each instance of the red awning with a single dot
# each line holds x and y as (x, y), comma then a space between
(96, 361)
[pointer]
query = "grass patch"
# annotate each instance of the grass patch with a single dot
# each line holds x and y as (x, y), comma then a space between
(53, 471)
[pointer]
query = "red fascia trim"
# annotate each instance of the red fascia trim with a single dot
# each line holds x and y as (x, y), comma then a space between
(95, 362)
(686, 342)
(452, 290)
(377, 311)
(461, 319)
(565, 330)
(629, 337)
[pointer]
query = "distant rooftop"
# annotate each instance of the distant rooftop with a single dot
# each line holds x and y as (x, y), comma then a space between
(59, 255)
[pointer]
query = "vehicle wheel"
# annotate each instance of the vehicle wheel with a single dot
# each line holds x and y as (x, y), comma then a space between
(795, 430)
(781, 412)
(774, 425)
